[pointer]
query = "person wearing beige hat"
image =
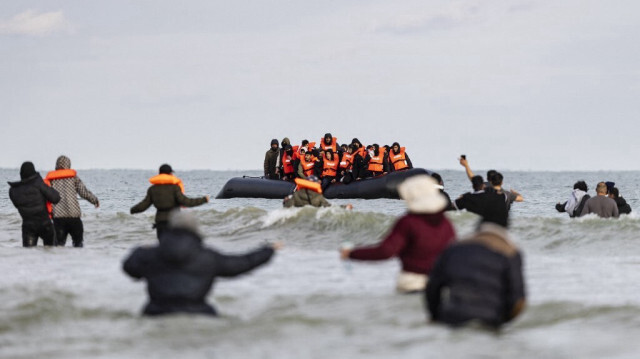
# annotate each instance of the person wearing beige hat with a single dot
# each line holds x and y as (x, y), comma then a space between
(417, 238)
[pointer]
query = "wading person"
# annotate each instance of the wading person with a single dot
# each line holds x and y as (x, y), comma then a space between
(417, 238)
(601, 205)
(166, 194)
(30, 196)
(180, 271)
(477, 279)
(66, 213)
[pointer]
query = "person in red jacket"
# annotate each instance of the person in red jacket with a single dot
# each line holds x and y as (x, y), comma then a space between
(417, 238)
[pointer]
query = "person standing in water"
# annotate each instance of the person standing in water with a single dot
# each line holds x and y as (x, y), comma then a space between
(31, 196)
(166, 194)
(180, 271)
(417, 238)
(66, 213)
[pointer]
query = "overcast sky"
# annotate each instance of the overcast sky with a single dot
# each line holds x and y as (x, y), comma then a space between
(202, 84)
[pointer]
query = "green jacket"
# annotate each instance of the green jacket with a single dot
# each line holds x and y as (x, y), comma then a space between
(307, 197)
(166, 197)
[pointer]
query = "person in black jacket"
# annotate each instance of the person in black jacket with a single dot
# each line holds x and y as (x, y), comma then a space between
(180, 271)
(477, 279)
(623, 206)
(30, 196)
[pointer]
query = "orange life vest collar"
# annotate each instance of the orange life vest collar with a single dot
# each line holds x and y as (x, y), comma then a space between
(399, 160)
(164, 178)
(60, 174)
(306, 184)
(333, 146)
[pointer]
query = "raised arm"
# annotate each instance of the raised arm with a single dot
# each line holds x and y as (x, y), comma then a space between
(465, 164)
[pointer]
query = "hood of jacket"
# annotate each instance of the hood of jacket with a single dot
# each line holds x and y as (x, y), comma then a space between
(285, 142)
(63, 163)
(179, 245)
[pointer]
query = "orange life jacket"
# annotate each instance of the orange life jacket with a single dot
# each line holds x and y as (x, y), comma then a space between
(164, 178)
(311, 146)
(308, 167)
(296, 153)
(333, 146)
(398, 160)
(55, 175)
(330, 167)
(306, 184)
(376, 163)
(347, 161)
(287, 164)
(361, 151)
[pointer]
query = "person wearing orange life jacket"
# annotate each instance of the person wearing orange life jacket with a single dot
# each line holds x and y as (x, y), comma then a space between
(358, 167)
(330, 165)
(288, 169)
(166, 194)
(280, 167)
(329, 141)
(66, 213)
(30, 196)
(375, 162)
(345, 166)
(398, 158)
(308, 192)
(307, 166)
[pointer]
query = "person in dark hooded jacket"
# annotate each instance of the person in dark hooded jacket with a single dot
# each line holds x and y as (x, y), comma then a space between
(271, 161)
(30, 196)
(66, 213)
(180, 271)
(623, 206)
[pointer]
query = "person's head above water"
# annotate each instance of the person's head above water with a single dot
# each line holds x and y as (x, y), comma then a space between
(186, 221)
(165, 169)
(477, 183)
(422, 195)
(581, 185)
(490, 174)
(27, 170)
(496, 179)
(601, 188)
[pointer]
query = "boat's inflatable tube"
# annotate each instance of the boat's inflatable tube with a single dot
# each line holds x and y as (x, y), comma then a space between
(371, 188)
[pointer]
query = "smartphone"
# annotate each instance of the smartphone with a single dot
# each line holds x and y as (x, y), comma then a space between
(464, 157)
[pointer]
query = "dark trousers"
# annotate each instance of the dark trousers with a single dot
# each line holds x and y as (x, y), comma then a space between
(39, 228)
(326, 182)
(66, 226)
(160, 228)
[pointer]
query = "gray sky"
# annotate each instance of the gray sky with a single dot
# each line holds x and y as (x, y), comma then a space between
(202, 84)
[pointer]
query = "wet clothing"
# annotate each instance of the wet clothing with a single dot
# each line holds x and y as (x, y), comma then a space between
(574, 205)
(603, 206)
(66, 213)
(478, 278)
(180, 271)
(165, 197)
(30, 196)
(270, 162)
(623, 206)
(306, 197)
(416, 239)
(69, 226)
(491, 206)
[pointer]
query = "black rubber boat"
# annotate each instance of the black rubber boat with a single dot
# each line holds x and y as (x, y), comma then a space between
(371, 188)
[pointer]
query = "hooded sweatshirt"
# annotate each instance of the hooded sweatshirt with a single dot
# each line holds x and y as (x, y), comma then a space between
(180, 271)
(68, 207)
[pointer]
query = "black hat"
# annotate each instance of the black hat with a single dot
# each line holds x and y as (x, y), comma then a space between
(275, 142)
(328, 135)
(27, 170)
(166, 169)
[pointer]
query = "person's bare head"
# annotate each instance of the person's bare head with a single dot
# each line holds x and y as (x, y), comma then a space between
(601, 188)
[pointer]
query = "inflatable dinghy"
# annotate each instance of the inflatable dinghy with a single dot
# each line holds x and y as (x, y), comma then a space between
(371, 188)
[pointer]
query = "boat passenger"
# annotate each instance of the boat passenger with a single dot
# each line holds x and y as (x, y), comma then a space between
(417, 238)
(166, 194)
(478, 279)
(623, 206)
(66, 213)
(601, 205)
(375, 162)
(307, 166)
(288, 169)
(574, 205)
(180, 271)
(398, 158)
(271, 160)
(329, 141)
(33, 198)
(345, 173)
(279, 168)
(329, 169)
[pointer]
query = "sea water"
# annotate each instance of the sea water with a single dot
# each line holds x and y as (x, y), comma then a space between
(582, 276)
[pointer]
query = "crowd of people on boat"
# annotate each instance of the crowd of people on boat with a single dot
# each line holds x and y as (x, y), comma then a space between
(333, 162)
